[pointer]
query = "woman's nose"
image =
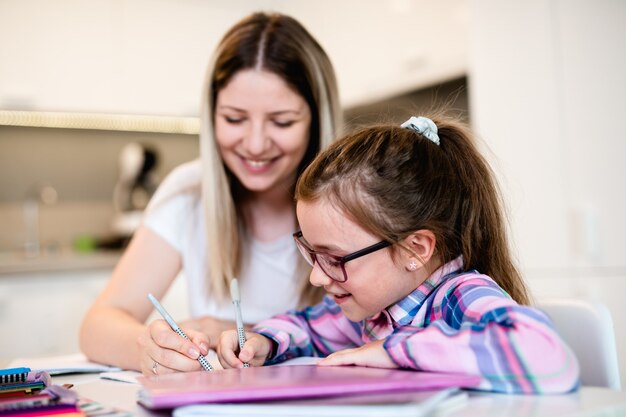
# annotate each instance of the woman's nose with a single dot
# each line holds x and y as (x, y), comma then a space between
(256, 141)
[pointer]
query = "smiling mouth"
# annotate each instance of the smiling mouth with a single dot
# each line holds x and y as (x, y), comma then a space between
(258, 163)
(257, 166)
(340, 298)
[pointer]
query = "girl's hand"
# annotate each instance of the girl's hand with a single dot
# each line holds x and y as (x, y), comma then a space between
(255, 350)
(172, 353)
(372, 354)
(210, 326)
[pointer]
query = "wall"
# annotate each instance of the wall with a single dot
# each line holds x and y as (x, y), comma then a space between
(82, 165)
(547, 90)
(452, 95)
(148, 56)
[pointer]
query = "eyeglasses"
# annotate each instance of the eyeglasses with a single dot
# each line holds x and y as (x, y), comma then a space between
(333, 266)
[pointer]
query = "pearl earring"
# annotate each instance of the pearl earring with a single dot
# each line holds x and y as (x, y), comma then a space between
(412, 266)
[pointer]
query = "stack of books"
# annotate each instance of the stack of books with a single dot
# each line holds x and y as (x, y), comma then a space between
(26, 393)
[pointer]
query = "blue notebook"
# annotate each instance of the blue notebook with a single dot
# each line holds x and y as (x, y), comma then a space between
(12, 376)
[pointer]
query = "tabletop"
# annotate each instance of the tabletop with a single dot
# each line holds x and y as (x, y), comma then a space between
(587, 401)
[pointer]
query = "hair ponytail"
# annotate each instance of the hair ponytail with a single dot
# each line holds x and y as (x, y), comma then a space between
(481, 221)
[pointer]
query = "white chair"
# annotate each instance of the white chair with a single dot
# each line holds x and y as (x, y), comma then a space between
(587, 327)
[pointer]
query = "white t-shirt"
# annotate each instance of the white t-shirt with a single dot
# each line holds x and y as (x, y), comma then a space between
(267, 282)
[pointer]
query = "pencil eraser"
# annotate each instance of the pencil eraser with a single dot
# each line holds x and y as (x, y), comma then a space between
(234, 289)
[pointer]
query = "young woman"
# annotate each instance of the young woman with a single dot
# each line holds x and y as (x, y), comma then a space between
(270, 103)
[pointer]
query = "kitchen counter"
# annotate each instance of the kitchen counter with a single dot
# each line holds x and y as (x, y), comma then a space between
(64, 259)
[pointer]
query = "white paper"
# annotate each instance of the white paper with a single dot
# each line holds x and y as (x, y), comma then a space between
(423, 404)
(65, 364)
(123, 376)
(302, 360)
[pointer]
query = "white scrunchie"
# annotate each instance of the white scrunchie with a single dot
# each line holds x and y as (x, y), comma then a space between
(424, 126)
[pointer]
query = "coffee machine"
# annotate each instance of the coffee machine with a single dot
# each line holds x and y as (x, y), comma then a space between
(137, 182)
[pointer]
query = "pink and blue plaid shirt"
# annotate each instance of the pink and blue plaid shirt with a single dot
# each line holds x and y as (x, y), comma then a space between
(456, 322)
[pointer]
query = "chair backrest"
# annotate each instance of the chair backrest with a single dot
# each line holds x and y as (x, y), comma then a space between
(587, 327)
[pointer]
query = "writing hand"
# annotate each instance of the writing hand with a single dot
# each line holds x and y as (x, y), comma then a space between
(255, 350)
(172, 353)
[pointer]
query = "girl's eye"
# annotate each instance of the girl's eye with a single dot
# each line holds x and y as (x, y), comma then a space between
(335, 264)
(331, 262)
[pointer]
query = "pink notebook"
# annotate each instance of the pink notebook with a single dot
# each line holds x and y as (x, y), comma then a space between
(272, 383)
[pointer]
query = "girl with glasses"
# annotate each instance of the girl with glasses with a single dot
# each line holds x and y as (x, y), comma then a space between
(404, 229)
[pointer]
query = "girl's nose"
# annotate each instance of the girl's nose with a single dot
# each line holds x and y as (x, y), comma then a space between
(318, 278)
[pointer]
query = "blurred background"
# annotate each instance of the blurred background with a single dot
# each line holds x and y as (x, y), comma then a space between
(99, 101)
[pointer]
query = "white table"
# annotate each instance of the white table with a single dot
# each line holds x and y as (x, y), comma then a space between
(588, 401)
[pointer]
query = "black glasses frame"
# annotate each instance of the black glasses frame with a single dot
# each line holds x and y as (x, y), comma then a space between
(341, 260)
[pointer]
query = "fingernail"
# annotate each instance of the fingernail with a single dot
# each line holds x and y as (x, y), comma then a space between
(194, 353)
(204, 347)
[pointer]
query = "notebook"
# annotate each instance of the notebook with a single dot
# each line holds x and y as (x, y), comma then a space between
(29, 394)
(65, 364)
(408, 404)
(22, 381)
(271, 383)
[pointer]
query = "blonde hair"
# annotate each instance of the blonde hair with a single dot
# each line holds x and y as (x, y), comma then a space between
(393, 181)
(281, 45)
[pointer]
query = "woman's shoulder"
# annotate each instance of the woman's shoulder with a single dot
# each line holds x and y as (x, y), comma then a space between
(175, 210)
(183, 181)
(186, 175)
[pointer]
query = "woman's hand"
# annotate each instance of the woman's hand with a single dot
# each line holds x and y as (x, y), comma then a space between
(372, 354)
(163, 351)
(255, 350)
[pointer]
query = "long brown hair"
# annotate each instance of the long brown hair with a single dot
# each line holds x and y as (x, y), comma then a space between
(393, 181)
(279, 44)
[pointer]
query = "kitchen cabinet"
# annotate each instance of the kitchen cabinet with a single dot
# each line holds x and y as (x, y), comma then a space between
(41, 312)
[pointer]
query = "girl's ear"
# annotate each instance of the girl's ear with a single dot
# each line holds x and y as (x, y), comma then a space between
(422, 245)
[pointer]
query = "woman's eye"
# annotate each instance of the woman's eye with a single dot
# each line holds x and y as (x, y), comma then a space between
(281, 123)
(233, 120)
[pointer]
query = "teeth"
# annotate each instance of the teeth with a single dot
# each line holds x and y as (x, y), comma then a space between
(257, 164)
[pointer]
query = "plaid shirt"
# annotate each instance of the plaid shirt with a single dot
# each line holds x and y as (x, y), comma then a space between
(456, 322)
